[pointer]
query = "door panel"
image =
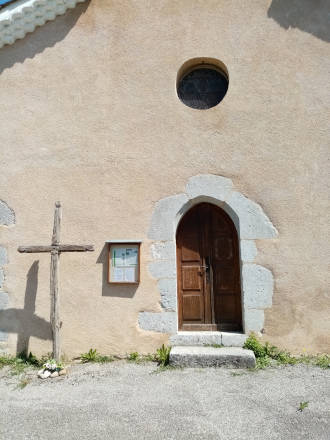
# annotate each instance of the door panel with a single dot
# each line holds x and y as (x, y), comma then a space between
(209, 295)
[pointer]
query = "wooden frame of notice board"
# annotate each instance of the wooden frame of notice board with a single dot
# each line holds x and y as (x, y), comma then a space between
(124, 262)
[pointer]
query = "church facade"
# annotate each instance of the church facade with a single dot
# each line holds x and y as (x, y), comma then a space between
(188, 142)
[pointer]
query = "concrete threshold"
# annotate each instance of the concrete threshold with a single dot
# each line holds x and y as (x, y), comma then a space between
(235, 357)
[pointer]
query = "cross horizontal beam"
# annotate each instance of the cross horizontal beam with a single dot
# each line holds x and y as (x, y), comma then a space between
(58, 248)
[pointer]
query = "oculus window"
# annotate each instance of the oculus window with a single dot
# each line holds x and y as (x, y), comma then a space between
(202, 87)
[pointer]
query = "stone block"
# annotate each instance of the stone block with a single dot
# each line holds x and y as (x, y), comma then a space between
(163, 269)
(2, 278)
(257, 286)
(167, 288)
(209, 185)
(3, 256)
(163, 250)
(212, 357)
(254, 320)
(248, 250)
(253, 222)
(7, 215)
(3, 336)
(163, 217)
(233, 339)
(196, 338)
(4, 300)
(163, 322)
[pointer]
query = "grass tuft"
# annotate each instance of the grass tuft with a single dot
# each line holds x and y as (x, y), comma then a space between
(267, 355)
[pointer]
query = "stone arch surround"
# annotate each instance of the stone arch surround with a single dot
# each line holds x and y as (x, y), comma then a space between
(257, 281)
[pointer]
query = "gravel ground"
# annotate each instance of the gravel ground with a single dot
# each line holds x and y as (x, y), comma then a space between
(124, 400)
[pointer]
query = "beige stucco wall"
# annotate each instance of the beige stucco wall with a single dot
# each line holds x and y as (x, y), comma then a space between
(90, 116)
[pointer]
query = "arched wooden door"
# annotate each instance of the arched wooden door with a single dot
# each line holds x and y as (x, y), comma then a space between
(209, 291)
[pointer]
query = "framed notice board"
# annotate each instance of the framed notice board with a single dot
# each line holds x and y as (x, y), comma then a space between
(124, 262)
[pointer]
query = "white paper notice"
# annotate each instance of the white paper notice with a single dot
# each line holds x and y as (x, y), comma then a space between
(130, 274)
(131, 257)
(118, 274)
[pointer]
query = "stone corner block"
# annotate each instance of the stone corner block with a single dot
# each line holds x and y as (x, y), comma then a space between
(254, 320)
(163, 250)
(162, 269)
(2, 278)
(3, 336)
(3, 256)
(253, 222)
(258, 286)
(167, 288)
(249, 251)
(4, 300)
(163, 217)
(163, 322)
(7, 215)
(209, 185)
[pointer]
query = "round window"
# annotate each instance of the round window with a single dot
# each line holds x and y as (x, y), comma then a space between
(202, 87)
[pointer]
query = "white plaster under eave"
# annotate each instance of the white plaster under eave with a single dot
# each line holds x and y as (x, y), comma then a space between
(21, 17)
(257, 282)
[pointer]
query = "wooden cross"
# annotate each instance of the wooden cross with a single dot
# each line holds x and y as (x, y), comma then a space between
(55, 249)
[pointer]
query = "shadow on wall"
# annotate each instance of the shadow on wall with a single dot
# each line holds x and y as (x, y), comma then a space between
(24, 321)
(114, 290)
(310, 16)
(45, 36)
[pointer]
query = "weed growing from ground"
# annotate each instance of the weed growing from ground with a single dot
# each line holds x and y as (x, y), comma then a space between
(93, 356)
(20, 363)
(163, 355)
(302, 406)
(267, 354)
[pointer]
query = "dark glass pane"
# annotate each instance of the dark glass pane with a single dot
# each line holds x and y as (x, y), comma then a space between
(202, 88)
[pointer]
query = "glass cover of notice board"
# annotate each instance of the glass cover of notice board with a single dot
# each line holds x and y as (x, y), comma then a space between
(124, 263)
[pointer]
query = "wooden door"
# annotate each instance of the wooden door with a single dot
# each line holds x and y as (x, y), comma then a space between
(209, 294)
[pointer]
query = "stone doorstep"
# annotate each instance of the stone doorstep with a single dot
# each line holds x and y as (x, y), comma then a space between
(227, 339)
(235, 357)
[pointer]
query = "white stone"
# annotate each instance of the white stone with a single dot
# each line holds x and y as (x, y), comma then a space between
(254, 320)
(7, 215)
(163, 322)
(163, 217)
(3, 256)
(253, 222)
(44, 375)
(248, 251)
(233, 339)
(257, 286)
(209, 185)
(212, 357)
(168, 294)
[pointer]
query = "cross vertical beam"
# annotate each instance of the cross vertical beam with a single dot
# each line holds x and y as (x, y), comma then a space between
(54, 279)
